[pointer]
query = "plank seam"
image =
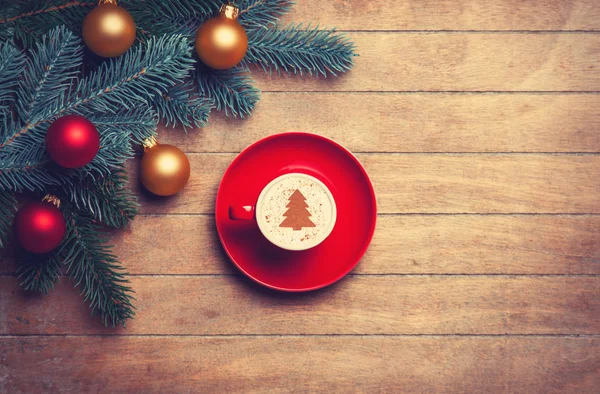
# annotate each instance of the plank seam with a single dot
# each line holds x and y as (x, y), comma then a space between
(17, 336)
(457, 92)
(470, 31)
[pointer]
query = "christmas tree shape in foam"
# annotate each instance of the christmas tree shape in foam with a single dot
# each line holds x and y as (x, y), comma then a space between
(297, 215)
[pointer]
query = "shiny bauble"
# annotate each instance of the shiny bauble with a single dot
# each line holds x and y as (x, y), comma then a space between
(221, 42)
(72, 141)
(164, 170)
(39, 227)
(108, 30)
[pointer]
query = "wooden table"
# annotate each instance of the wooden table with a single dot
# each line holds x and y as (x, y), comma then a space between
(479, 124)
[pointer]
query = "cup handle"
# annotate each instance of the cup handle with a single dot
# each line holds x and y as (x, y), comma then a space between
(241, 212)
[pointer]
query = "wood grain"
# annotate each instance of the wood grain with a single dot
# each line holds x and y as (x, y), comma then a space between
(411, 122)
(460, 62)
(401, 245)
(450, 14)
(420, 183)
(358, 305)
(300, 364)
(483, 275)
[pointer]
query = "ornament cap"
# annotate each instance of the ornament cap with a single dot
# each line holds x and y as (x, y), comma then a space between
(229, 11)
(52, 199)
(149, 143)
(113, 2)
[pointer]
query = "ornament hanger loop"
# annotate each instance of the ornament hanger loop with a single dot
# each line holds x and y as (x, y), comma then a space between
(52, 199)
(229, 11)
(149, 143)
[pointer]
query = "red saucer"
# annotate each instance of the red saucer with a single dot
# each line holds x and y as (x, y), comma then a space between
(314, 155)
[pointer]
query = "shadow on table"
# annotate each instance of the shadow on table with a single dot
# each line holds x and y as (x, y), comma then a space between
(276, 296)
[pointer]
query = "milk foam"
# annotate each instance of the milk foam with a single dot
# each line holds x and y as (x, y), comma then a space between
(296, 212)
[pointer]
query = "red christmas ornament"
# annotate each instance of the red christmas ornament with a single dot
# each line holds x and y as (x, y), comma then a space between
(39, 227)
(72, 141)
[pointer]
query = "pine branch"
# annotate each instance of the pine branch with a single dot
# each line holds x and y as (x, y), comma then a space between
(108, 201)
(7, 34)
(130, 81)
(117, 133)
(92, 266)
(232, 90)
(16, 10)
(262, 13)
(168, 16)
(138, 123)
(146, 9)
(184, 17)
(48, 75)
(134, 78)
(115, 149)
(180, 106)
(23, 176)
(24, 155)
(298, 50)
(185, 26)
(39, 273)
(30, 19)
(12, 62)
(8, 208)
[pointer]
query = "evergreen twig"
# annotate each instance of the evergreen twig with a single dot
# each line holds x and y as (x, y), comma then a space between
(8, 207)
(50, 70)
(108, 201)
(148, 12)
(27, 176)
(299, 50)
(294, 49)
(182, 106)
(134, 78)
(262, 13)
(138, 123)
(45, 79)
(12, 62)
(232, 90)
(29, 20)
(90, 263)
(129, 82)
(39, 273)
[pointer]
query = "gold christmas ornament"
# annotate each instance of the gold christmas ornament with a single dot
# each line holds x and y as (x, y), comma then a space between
(221, 42)
(164, 169)
(108, 30)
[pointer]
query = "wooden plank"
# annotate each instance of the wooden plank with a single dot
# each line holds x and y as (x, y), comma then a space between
(299, 364)
(450, 14)
(460, 62)
(213, 305)
(411, 122)
(401, 245)
(421, 183)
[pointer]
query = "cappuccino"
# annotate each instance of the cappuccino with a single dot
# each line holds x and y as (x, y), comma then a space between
(296, 211)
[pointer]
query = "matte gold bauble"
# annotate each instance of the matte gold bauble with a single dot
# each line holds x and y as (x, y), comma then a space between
(221, 42)
(109, 30)
(165, 169)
